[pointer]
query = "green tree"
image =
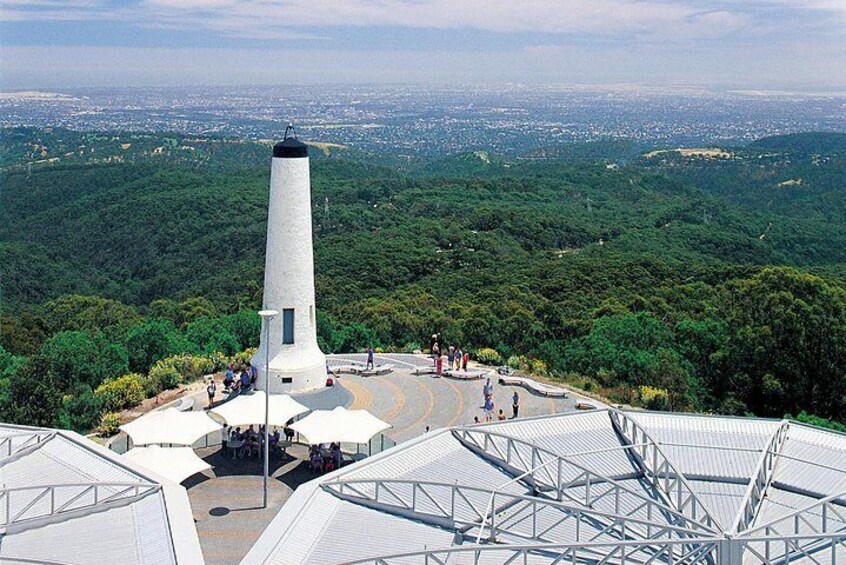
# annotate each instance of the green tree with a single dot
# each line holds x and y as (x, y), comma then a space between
(634, 347)
(72, 358)
(34, 395)
(788, 343)
(212, 334)
(81, 410)
(245, 326)
(355, 337)
(152, 340)
(87, 313)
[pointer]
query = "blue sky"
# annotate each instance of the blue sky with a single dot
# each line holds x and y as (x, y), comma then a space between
(760, 44)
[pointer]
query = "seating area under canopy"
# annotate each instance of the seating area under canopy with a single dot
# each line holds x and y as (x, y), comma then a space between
(339, 425)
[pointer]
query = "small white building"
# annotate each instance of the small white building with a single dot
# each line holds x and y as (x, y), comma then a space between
(296, 362)
(66, 499)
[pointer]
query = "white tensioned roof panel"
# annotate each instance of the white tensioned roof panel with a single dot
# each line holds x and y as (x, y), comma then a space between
(88, 540)
(722, 499)
(737, 443)
(437, 457)
(572, 435)
(804, 447)
(779, 503)
(54, 493)
(62, 461)
(330, 530)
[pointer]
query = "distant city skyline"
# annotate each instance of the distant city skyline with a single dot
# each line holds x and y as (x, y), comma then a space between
(752, 44)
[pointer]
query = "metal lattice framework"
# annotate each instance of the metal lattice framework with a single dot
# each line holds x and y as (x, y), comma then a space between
(548, 471)
(626, 501)
(760, 480)
(495, 515)
(817, 528)
(28, 507)
(13, 446)
(660, 470)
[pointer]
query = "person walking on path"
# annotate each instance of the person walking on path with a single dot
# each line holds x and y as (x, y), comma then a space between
(487, 390)
(465, 360)
(501, 416)
(450, 357)
(515, 405)
(439, 365)
(211, 389)
(458, 354)
(370, 358)
(489, 409)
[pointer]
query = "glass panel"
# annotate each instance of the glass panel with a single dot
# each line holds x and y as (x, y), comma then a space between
(288, 326)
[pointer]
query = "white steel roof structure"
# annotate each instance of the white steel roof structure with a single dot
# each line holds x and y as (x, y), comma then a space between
(597, 487)
(65, 499)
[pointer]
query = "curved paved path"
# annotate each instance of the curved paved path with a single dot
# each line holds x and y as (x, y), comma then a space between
(410, 402)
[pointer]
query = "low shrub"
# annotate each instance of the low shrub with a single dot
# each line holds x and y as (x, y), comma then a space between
(220, 362)
(109, 424)
(488, 356)
(162, 376)
(654, 398)
(190, 367)
(122, 392)
(241, 359)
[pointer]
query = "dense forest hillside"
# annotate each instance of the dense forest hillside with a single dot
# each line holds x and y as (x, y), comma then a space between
(676, 281)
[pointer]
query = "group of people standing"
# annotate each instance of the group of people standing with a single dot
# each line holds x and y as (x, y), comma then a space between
(456, 358)
(489, 406)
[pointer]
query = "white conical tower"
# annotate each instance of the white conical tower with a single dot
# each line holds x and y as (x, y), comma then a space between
(296, 362)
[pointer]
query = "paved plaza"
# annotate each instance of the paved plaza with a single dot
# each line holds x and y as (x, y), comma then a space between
(226, 500)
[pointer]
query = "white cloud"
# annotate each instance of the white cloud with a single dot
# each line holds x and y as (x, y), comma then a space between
(275, 18)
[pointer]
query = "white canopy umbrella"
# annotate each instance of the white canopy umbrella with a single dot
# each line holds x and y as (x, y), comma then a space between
(340, 425)
(170, 426)
(174, 463)
(248, 409)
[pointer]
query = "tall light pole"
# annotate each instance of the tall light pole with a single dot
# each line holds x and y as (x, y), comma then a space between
(266, 317)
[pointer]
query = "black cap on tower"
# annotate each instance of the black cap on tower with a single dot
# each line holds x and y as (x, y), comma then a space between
(290, 147)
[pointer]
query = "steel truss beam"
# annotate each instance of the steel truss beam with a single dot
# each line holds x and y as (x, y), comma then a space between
(808, 531)
(27, 507)
(15, 446)
(660, 470)
(761, 480)
(503, 515)
(619, 553)
(547, 471)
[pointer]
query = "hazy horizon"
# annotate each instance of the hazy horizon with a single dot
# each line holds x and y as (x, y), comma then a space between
(719, 45)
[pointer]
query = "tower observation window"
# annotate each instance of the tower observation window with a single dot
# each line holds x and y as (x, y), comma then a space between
(288, 326)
